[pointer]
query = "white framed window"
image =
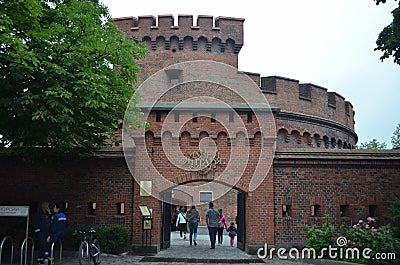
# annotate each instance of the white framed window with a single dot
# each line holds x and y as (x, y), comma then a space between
(206, 196)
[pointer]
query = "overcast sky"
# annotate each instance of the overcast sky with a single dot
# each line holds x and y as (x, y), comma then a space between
(328, 43)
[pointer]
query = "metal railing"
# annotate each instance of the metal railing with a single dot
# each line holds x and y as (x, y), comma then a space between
(24, 250)
(52, 252)
(12, 248)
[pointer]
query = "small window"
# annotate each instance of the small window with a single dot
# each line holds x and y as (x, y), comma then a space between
(194, 117)
(206, 196)
(212, 117)
(372, 210)
(286, 210)
(344, 210)
(249, 117)
(91, 206)
(176, 117)
(158, 116)
(174, 76)
(231, 117)
(121, 208)
(315, 210)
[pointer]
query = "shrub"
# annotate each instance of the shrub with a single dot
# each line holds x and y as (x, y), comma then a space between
(113, 239)
(394, 215)
(320, 237)
(380, 240)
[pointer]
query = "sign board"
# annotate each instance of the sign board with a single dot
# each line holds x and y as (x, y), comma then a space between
(14, 211)
(145, 187)
(144, 210)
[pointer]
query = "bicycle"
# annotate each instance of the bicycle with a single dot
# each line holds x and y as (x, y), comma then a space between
(89, 248)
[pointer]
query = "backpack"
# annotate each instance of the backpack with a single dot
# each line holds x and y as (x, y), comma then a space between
(232, 231)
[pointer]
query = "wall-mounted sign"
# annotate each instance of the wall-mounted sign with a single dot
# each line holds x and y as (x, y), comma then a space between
(145, 187)
(17, 211)
(144, 210)
(203, 162)
(146, 224)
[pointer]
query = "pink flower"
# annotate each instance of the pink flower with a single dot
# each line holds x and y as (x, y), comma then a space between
(354, 226)
(371, 219)
(360, 221)
(367, 226)
(374, 230)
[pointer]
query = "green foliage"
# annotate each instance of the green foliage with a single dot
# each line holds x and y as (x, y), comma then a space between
(361, 236)
(396, 137)
(373, 144)
(389, 39)
(59, 89)
(380, 240)
(113, 239)
(394, 215)
(320, 237)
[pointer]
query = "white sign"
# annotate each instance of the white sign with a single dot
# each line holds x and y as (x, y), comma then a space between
(17, 211)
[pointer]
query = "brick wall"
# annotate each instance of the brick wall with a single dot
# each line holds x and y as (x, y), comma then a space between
(331, 179)
(78, 181)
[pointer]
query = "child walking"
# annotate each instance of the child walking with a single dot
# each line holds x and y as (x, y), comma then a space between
(232, 233)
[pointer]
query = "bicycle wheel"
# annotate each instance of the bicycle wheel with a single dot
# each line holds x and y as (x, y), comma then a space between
(83, 254)
(96, 253)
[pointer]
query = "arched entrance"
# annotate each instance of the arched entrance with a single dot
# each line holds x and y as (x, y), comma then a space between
(233, 205)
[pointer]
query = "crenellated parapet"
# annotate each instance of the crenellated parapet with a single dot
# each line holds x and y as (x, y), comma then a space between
(289, 95)
(222, 34)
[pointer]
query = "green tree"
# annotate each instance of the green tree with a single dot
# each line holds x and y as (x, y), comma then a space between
(66, 75)
(396, 137)
(389, 39)
(373, 144)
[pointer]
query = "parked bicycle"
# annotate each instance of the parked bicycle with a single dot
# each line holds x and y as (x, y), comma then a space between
(89, 249)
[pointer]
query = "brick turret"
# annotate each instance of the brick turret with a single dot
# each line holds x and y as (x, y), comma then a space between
(218, 39)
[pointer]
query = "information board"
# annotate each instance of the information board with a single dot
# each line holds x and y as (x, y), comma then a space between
(17, 211)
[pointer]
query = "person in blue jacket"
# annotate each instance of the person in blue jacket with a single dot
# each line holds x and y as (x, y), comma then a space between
(41, 227)
(58, 224)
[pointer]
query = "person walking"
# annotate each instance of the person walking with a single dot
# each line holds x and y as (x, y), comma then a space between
(212, 223)
(181, 223)
(232, 232)
(193, 217)
(41, 227)
(58, 226)
(222, 225)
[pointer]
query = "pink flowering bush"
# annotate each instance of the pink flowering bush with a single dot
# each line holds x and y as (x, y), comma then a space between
(364, 234)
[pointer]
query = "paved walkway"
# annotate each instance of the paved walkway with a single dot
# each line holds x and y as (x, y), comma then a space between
(181, 253)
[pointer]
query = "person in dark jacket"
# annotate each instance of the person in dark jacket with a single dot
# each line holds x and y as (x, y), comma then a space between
(41, 227)
(193, 218)
(232, 230)
(58, 224)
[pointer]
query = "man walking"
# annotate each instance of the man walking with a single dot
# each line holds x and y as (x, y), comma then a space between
(212, 223)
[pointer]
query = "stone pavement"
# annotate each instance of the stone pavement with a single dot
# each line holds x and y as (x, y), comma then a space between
(182, 253)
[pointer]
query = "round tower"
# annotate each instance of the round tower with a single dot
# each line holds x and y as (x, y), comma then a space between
(306, 115)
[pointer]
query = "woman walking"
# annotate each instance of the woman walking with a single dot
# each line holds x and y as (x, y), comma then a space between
(181, 223)
(221, 225)
(193, 217)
